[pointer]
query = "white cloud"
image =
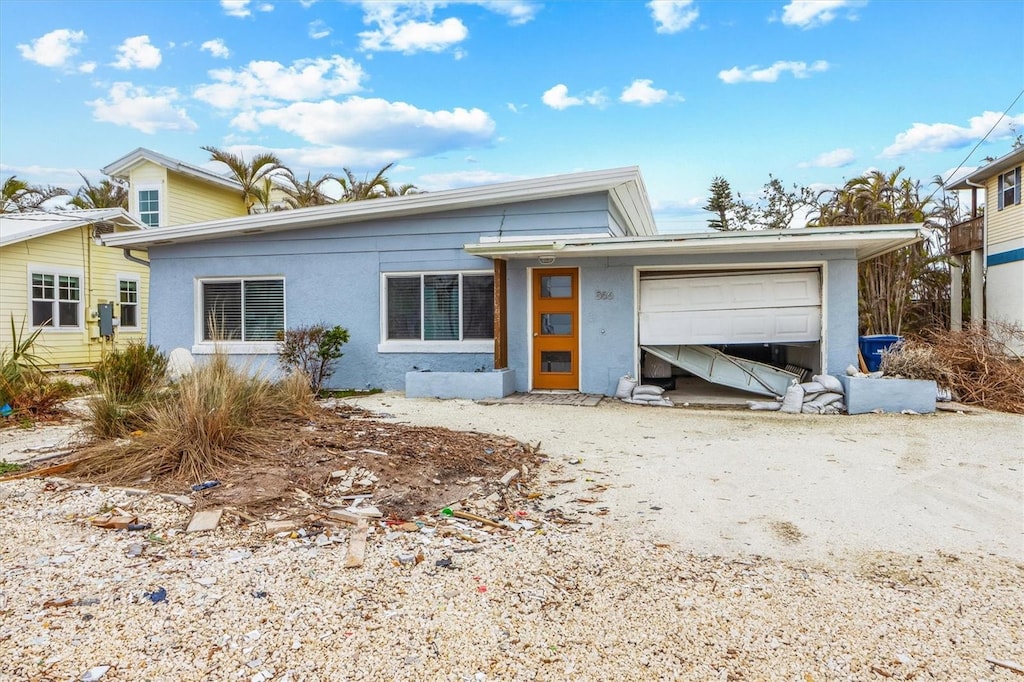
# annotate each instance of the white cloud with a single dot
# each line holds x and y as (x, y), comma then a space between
(263, 83)
(411, 36)
(54, 49)
(939, 137)
(216, 47)
(137, 53)
(837, 158)
(134, 106)
(641, 92)
(241, 8)
(87, 67)
(372, 124)
(672, 16)
(755, 74)
(319, 29)
(519, 12)
(813, 13)
(558, 97)
(435, 182)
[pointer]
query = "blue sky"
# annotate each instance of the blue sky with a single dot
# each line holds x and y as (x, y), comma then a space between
(460, 93)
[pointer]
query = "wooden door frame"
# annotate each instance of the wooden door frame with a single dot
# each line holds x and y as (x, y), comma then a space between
(531, 271)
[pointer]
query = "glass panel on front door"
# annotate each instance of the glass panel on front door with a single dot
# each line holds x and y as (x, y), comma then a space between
(556, 286)
(556, 323)
(556, 361)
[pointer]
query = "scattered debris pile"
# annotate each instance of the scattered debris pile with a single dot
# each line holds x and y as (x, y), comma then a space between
(976, 365)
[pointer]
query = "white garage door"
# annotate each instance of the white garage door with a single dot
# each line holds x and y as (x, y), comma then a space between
(756, 307)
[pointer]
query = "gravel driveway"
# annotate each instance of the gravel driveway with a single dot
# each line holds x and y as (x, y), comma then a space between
(709, 546)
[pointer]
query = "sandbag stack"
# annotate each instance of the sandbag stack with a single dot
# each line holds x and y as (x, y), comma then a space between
(629, 392)
(823, 394)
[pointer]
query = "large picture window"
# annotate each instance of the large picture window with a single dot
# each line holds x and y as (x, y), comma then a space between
(250, 309)
(440, 307)
(56, 300)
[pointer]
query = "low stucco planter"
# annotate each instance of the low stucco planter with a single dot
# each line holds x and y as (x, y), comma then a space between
(470, 385)
(889, 395)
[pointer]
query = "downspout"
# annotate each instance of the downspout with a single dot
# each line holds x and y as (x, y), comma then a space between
(128, 256)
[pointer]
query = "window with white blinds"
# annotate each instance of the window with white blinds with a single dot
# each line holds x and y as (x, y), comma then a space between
(439, 307)
(249, 309)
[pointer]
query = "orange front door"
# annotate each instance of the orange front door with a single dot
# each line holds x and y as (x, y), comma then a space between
(556, 324)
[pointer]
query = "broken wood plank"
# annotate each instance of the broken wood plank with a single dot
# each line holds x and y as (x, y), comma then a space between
(207, 519)
(45, 471)
(357, 545)
(1009, 665)
(473, 517)
(509, 477)
(344, 515)
(286, 526)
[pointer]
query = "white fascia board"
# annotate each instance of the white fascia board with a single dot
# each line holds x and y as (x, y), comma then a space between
(867, 241)
(391, 207)
(19, 227)
(120, 168)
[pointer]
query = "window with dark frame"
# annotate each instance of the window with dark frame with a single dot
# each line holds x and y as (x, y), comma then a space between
(248, 310)
(440, 307)
(1009, 188)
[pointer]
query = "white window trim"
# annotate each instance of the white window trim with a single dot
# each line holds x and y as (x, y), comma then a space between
(121, 277)
(161, 204)
(413, 346)
(203, 347)
(57, 271)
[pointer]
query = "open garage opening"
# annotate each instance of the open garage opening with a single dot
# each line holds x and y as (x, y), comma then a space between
(726, 336)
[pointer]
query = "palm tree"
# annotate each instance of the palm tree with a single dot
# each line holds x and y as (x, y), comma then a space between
(304, 193)
(248, 173)
(106, 194)
(894, 284)
(353, 189)
(18, 196)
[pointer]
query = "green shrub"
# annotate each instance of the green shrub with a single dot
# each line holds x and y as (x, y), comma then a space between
(19, 365)
(312, 350)
(128, 380)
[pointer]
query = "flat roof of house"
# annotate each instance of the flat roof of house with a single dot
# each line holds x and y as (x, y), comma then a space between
(1003, 163)
(867, 240)
(120, 168)
(19, 227)
(624, 186)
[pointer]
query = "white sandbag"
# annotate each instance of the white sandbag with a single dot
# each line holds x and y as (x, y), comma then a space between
(852, 371)
(647, 390)
(812, 387)
(646, 397)
(772, 405)
(793, 400)
(823, 400)
(830, 383)
(656, 402)
(808, 408)
(180, 363)
(625, 387)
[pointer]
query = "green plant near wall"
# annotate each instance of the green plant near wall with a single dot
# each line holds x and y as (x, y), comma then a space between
(19, 364)
(312, 350)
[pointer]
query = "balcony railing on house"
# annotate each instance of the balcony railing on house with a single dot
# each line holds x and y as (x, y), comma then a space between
(967, 236)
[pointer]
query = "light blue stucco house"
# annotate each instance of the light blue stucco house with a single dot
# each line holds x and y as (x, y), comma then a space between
(555, 282)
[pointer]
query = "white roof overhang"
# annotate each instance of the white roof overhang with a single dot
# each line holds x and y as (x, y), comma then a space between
(120, 168)
(19, 227)
(867, 241)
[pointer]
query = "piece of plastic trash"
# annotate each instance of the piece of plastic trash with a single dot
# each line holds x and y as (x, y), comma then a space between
(447, 511)
(205, 485)
(6, 410)
(138, 526)
(156, 596)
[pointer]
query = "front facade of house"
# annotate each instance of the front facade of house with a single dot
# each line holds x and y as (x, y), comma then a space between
(999, 253)
(56, 277)
(558, 281)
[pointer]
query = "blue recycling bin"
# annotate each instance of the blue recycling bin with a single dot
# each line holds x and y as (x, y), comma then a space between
(871, 348)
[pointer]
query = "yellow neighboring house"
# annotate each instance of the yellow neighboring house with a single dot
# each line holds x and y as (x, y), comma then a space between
(163, 191)
(57, 277)
(995, 243)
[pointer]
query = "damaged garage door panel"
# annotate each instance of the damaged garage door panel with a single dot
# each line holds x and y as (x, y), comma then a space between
(718, 368)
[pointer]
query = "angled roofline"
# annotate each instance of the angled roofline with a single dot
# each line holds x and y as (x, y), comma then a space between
(51, 222)
(624, 186)
(1003, 163)
(120, 168)
(868, 241)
